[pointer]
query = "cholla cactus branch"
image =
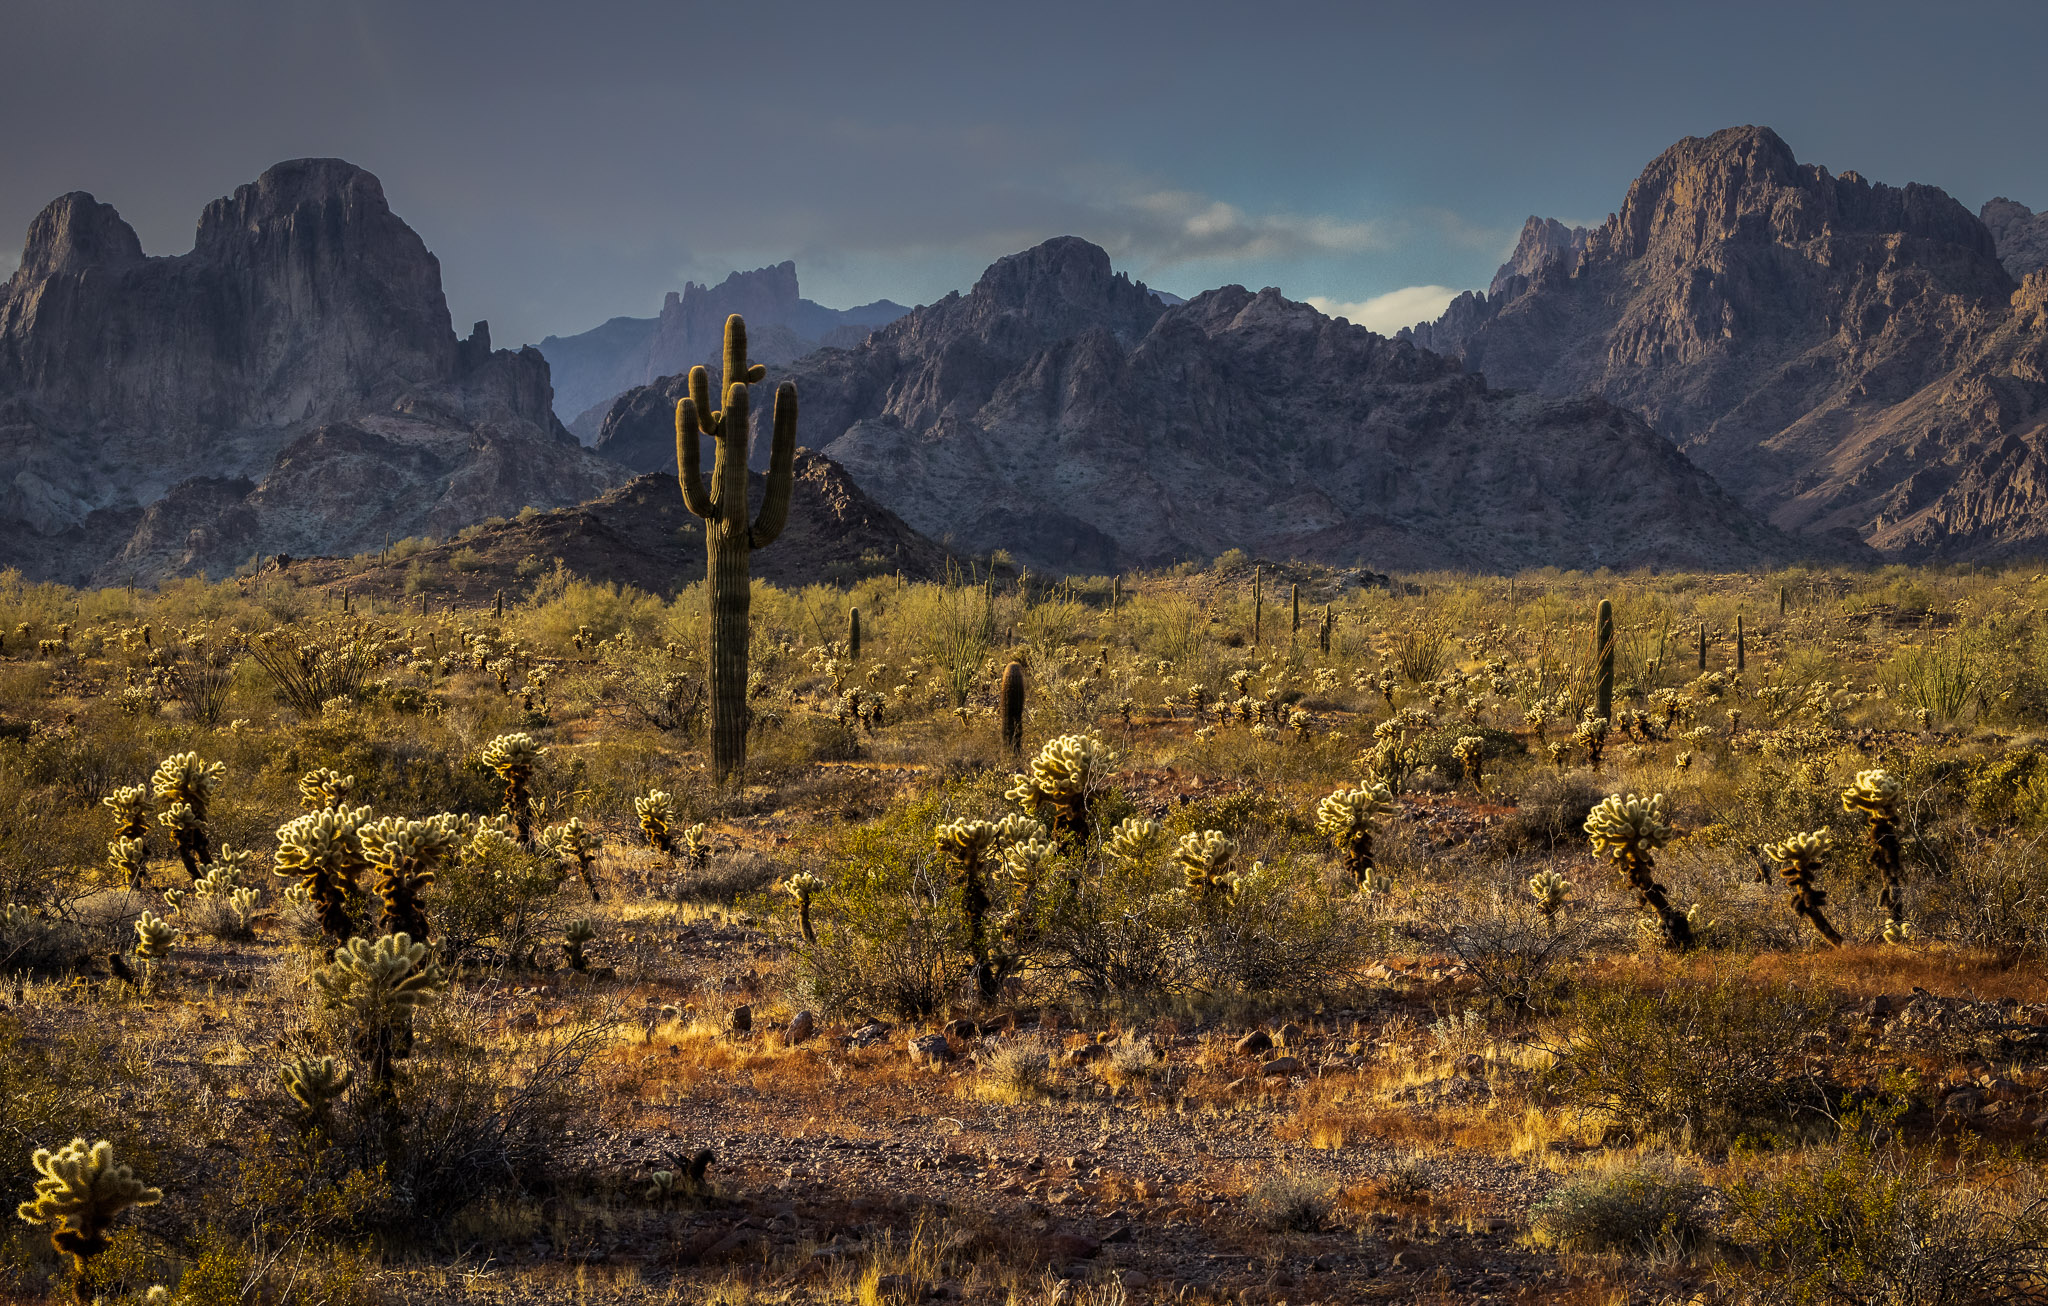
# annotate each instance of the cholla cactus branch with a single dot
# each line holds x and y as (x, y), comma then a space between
(657, 813)
(1204, 860)
(1549, 889)
(403, 857)
(324, 851)
(81, 1191)
(325, 788)
(803, 886)
(377, 985)
(574, 844)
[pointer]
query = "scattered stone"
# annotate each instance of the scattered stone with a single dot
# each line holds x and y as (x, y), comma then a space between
(965, 1031)
(1282, 1066)
(1254, 1043)
(867, 1036)
(930, 1049)
(741, 1020)
(1289, 1035)
(801, 1027)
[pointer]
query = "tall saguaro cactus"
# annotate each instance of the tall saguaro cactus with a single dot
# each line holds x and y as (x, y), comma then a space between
(729, 538)
(1603, 661)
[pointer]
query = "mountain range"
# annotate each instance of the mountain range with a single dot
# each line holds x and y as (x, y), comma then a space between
(1752, 361)
(594, 368)
(291, 385)
(1846, 357)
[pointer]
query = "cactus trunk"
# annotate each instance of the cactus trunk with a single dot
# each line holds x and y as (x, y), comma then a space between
(1013, 707)
(1703, 646)
(1738, 645)
(853, 634)
(729, 539)
(1603, 653)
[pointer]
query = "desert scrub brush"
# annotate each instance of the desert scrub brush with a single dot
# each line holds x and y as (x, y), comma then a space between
(81, 1191)
(803, 886)
(1204, 860)
(512, 757)
(1798, 859)
(1627, 831)
(574, 845)
(1057, 788)
(1875, 797)
(323, 851)
(657, 813)
(1549, 889)
(1349, 817)
(403, 857)
(314, 1084)
(576, 936)
(376, 986)
(324, 788)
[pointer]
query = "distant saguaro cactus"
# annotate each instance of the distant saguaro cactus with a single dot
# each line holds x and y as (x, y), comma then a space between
(1603, 661)
(729, 539)
(1013, 707)
(853, 634)
(1738, 644)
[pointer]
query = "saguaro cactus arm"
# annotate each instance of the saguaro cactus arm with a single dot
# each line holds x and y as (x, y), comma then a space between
(774, 514)
(689, 457)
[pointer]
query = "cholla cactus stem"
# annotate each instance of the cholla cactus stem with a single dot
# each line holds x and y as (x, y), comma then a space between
(1875, 797)
(1626, 831)
(1798, 859)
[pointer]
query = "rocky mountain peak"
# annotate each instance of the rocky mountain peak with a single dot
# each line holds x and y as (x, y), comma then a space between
(76, 231)
(2020, 233)
(1544, 241)
(1064, 285)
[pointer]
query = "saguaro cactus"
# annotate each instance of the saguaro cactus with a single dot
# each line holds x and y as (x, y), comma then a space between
(1012, 699)
(853, 634)
(1603, 660)
(729, 538)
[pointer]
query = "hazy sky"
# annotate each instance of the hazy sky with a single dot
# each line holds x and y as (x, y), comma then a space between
(572, 161)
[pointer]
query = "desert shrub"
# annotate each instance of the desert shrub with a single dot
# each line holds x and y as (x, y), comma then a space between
(728, 877)
(1551, 811)
(1518, 956)
(1650, 1208)
(1993, 896)
(497, 903)
(1704, 1063)
(1015, 1072)
(1288, 1201)
(1864, 1224)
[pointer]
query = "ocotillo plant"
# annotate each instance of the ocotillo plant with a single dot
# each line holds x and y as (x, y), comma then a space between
(1603, 661)
(729, 539)
(1798, 859)
(1626, 831)
(1875, 797)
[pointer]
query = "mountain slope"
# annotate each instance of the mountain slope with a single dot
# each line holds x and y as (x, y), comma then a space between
(595, 367)
(1070, 416)
(293, 382)
(1825, 346)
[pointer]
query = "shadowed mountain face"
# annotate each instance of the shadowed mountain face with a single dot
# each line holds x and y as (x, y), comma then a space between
(1843, 356)
(291, 384)
(594, 368)
(1072, 417)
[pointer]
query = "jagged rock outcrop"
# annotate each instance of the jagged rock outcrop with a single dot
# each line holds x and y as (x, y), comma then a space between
(293, 381)
(2020, 234)
(1817, 342)
(641, 535)
(1067, 414)
(595, 367)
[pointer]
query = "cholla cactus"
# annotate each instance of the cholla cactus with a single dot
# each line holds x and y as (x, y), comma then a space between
(696, 848)
(1627, 831)
(155, 937)
(1349, 817)
(325, 788)
(1470, 752)
(1056, 790)
(1025, 861)
(1591, 735)
(377, 985)
(130, 805)
(803, 886)
(81, 1191)
(403, 857)
(1205, 859)
(314, 1083)
(657, 813)
(574, 844)
(968, 844)
(188, 836)
(1798, 859)
(184, 778)
(513, 758)
(323, 851)
(218, 904)
(1899, 933)
(127, 861)
(1014, 827)
(1549, 889)
(1136, 841)
(576, 936)
(1875, 797)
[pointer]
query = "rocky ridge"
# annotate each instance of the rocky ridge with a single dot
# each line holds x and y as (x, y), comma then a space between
(2020, 234)
(595, 367)
(1848, 358)
(1067, 414)
(293, 383)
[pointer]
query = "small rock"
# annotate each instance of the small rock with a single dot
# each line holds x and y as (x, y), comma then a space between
(1254, 1043)
(1087, 1052)
(1289, 1035)
(966, 1031)
(1282, 1066)
(929, 1049)
(801, 1027)
(1072, 1246)
(867, 1036)
(741, 1020)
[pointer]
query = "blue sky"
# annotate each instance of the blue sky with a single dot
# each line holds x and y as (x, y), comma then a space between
(571, 162)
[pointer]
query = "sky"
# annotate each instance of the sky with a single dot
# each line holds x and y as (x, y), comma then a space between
(570, 162)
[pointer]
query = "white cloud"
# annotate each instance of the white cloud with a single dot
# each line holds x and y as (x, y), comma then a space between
(1390, 312)
(1175, 226)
